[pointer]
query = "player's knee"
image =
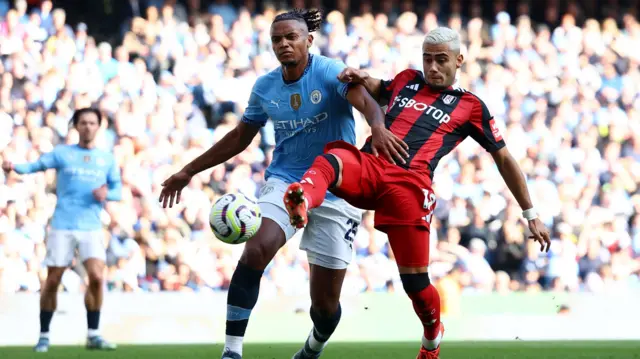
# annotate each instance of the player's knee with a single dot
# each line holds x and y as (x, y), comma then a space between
(334, 161)
(258, 252)
(326, 321)
(415, 282)
(325, 305)
(261, 249)
(95, 277)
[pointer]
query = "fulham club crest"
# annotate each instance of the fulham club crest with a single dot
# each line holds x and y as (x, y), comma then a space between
(448, 99)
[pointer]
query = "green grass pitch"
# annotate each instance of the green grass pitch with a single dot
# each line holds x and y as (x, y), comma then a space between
(450, 350)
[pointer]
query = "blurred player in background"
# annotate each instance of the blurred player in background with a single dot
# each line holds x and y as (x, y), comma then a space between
(86, 178)
(432, 117)
(309, 107)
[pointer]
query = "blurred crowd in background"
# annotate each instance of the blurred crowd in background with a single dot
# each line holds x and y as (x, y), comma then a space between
(566, 97)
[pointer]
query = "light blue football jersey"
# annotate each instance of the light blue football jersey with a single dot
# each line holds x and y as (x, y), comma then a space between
(79, 172)
(306, 114)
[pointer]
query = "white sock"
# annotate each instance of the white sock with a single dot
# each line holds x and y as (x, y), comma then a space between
(432, 344)
(234, 343)
(93, 333)
(315, 344)
(44, 335)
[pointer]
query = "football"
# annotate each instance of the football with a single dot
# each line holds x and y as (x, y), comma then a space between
(234, 218)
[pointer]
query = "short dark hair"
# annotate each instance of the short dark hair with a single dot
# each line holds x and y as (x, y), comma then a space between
(76, 115)
(312, 18)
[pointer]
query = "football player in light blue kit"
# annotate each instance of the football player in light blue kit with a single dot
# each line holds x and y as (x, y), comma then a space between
(309, 108)
(86, 178)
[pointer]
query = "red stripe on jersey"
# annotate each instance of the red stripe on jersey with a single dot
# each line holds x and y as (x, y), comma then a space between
(406, 118)
(427, 152)
(398, 84)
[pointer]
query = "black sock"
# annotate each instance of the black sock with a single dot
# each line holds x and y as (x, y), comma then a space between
(45, 320)
(242, 297)
(93, 320)
(324, 325)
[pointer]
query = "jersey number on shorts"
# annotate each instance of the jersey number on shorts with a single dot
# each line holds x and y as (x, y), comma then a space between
(429, 204)
(351, 232)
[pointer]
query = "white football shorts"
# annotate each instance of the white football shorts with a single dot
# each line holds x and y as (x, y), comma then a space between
(62, 245)
(327, 238)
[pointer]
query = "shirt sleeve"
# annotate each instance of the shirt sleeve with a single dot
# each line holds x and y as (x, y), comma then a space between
(46, 161)
(114, 183)
(254, 113)
(333, 70)
(484, 129)
(386, 89)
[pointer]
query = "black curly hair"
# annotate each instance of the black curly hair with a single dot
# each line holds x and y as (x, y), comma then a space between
(76, 115)
(312, 18)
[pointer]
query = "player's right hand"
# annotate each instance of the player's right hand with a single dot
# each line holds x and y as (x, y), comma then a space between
(389, 145)
(7, 166)
(354, 76)
(540, 234)
(172, 188)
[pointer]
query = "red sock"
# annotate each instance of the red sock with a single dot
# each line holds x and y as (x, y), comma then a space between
(317, 180)
(426, 304)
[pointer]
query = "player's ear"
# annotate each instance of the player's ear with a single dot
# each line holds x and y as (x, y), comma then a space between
(459, 60)
(309, 41)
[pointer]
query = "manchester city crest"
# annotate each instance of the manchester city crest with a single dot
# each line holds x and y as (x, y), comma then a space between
(316, 97)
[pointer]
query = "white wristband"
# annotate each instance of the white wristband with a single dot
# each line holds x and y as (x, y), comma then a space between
(530, 214)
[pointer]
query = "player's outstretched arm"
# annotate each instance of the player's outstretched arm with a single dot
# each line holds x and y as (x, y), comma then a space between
(229, 146)
(513, 177)
(45, 162)
(355, 76)
(234, 142)
(382, 140)
(487, 134)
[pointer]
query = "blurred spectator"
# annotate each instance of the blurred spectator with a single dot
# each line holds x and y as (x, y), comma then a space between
(567, 99)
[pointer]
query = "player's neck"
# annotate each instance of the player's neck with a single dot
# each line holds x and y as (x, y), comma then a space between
(87, 144)
(294, 73)
(439, 88)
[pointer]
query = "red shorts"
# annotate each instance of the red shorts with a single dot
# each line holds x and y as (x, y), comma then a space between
(400, 198)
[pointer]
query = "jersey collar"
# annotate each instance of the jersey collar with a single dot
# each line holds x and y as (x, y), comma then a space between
(306, 69)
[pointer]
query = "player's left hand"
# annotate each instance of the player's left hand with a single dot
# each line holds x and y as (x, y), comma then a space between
(100, 193)
(540, 234)
(386, 143)
(172, 188)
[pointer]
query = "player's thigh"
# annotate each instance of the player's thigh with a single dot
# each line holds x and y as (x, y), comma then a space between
(61, 248)
(275, 229)
(404, 199)
(410, 246)
(91, 245)
(328, 237)
(271, 202)
(358, 178)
